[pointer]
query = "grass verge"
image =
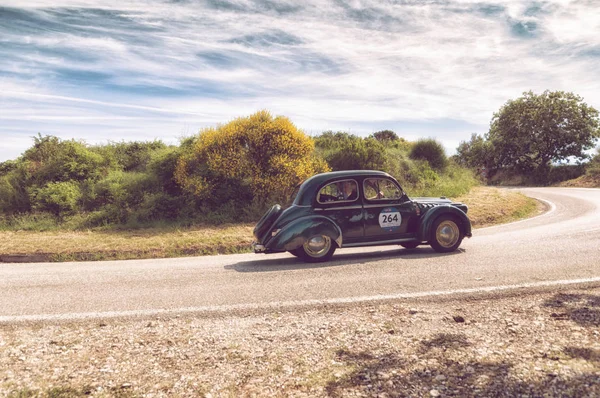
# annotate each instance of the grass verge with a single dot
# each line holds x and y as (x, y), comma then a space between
(490, 206)
(585, 181)
(487, 206)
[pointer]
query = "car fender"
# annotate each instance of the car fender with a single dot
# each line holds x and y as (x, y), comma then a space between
(430, 217)
(296, 233)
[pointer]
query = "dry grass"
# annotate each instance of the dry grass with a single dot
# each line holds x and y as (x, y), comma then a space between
(585, 181)
(490, 206)
(486, 206)
(148, 243)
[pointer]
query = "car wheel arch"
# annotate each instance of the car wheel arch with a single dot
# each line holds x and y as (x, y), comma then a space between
(432, 215)
(293, 235)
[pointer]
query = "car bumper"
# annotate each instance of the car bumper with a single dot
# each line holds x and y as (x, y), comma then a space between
(258, 248)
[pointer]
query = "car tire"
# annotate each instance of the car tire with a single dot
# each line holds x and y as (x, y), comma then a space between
(317, 249)
(446, 234)
(409, 245)
(266, 221)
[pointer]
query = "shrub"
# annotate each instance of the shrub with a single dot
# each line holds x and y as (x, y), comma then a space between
(163, 164)
(36, 221)
(561, 173)
(54, 160)
(455, 181)
(59, 198)
(431, 151)
(124, 189)
(593, 167)
(260, 154)
(130, 156)
(14, 197)
(357, 154)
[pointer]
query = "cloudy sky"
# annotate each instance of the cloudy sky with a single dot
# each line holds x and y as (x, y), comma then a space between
(110, 70)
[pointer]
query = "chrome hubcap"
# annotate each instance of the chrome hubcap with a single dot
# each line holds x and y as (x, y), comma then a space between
(447, 233)
(318, 246)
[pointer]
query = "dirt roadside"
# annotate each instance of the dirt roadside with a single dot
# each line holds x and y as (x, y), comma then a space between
(543, 344)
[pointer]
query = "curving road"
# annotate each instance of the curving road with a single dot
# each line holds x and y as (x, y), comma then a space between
(560, 245)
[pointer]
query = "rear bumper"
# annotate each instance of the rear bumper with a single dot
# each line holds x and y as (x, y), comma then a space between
(258, 248)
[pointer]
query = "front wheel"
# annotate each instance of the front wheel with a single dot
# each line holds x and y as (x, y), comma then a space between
(446, 234)
(316, 249)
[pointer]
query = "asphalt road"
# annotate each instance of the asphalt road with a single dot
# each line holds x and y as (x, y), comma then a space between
(562, 244)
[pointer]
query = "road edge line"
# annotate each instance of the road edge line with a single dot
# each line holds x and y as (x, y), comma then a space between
(287, 304)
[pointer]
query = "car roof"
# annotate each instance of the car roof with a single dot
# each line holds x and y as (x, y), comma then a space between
(308, 189)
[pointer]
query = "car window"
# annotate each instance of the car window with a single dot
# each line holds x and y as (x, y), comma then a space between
(381, 189)
(339, 191)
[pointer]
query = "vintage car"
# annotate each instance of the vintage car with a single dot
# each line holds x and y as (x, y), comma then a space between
(358, 208)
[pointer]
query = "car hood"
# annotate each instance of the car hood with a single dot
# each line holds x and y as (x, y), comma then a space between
(428, 203)
(435, 201)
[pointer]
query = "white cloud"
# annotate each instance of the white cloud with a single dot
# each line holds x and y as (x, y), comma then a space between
(149, 67)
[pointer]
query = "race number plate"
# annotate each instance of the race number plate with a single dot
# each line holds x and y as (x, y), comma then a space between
(390, 219)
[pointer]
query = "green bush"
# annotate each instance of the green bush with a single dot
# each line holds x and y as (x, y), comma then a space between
(162, 165)
(561, 173)
(59, 198)
(455, 181)
(129, 156)
(37, 221)
(14, 197)
(161, 206)
(593, 167)
(354, 153)
(231, 173)
(120, 194)
(54, 160)
(431, 151)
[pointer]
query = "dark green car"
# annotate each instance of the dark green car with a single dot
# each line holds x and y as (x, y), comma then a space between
(359, 208)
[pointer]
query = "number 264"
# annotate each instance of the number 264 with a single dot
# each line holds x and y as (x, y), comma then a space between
(390, 218)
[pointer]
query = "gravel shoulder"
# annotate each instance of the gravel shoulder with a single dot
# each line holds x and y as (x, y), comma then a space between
(543, 344)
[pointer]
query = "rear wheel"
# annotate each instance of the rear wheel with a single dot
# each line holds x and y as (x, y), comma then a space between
(446, 234)
(316, 249)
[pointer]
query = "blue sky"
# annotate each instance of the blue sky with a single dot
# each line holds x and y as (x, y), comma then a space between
(142, 70)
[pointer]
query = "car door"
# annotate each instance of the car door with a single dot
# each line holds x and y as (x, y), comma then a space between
(387, 210)
(340, 201)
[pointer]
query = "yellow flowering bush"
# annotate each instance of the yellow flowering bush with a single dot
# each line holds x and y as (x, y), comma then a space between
(267, 154)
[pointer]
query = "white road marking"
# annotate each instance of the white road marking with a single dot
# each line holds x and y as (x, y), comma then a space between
(301, 303)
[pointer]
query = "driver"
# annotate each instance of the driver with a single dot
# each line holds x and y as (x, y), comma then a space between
(349, 190)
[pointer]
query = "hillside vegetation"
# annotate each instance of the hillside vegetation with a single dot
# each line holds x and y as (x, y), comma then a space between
(227, 174)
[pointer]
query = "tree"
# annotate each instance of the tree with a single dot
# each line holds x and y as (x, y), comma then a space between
(534, 130)
(385, 136)
(261, 154)
(474, 154)
(431, 151)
